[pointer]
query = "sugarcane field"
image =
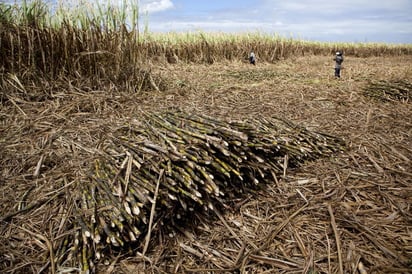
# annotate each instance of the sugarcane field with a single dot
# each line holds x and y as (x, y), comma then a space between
(127, 152)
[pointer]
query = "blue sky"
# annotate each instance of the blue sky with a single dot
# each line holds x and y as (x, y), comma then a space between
(321, 20)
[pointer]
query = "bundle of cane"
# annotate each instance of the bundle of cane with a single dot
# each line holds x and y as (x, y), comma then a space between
(197, 163)
(397, 90)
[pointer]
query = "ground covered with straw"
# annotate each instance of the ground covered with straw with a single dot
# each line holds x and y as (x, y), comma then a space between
(67, 145)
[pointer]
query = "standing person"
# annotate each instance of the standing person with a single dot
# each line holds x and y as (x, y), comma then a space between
(338, 65)
(252, 58)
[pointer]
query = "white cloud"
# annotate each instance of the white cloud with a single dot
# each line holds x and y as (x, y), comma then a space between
(152, 6)
(216, 25)
(350, 20)
(149, 6)
(145, 6)
(331, 6)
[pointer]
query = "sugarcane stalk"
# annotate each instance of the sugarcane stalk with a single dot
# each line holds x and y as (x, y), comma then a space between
(182, 132)
(230, 169)
(220, 169)
(134, 205)
(189, 167)
(202, 157)
(209, 185)
(178, 190)
(112, 238)
(115, 203)
(85, 256)
(62, 250)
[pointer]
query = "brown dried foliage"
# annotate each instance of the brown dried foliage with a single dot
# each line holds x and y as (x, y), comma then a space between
(343, 214)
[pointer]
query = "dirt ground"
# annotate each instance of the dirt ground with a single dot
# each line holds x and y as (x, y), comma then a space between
(344, 214)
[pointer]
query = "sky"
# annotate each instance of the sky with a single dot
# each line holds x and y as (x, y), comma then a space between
(318, 20)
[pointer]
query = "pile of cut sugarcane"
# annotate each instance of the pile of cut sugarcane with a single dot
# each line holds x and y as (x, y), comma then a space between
(184, 164)
(397, 90)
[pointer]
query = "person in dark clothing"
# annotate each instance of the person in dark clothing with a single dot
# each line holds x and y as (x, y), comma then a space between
(252, 58)
(338, 65)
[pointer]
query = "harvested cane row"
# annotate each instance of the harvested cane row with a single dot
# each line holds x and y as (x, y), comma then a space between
(399, 90)
(185, 165)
